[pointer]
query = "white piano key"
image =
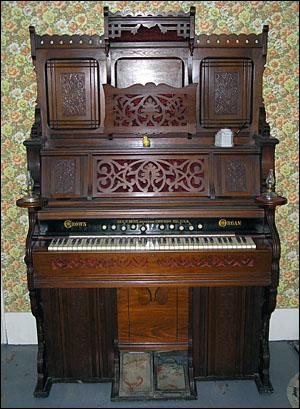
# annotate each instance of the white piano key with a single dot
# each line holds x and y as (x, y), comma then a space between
(250, 243)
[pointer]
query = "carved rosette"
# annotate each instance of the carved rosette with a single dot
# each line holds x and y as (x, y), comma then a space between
(148, 176)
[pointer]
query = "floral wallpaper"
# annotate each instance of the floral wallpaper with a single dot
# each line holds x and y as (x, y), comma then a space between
(70, 17)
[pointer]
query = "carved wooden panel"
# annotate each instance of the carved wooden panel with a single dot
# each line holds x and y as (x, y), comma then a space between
(152, 315)
(73, 94)
(226, 92)
(62, 177)
(237, 175)
(150, 108)
(150, 176)
(129, 71)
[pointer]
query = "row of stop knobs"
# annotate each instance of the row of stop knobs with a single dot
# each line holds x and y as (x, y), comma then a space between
(145, 227)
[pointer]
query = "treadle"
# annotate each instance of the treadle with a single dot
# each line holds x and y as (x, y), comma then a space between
(152, 375)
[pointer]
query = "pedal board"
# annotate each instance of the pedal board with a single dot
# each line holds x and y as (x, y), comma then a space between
(153, 375)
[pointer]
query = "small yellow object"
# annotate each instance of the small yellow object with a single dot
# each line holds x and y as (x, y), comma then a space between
(146, 141)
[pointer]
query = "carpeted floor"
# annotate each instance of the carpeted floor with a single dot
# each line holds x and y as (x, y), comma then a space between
(19, 377)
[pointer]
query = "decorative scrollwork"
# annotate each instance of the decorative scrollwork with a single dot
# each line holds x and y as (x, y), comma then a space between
(150, 110)
(150, 176)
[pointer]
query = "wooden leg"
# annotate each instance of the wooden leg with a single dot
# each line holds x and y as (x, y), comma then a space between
(262, 378)
(44, 382)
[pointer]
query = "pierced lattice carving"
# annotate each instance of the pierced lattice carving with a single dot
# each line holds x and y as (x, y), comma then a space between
(168, 176)
(150, 108)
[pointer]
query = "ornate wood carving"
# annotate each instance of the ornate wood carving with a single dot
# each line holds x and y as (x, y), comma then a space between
(217, 261)
(164, 27)
(44, 383)
(150, 108)
(76, 262)
(226, 92)
(263, 381)
(150, 176)
(148, 295)
(236, 176)
(63, 176)
(73, 93)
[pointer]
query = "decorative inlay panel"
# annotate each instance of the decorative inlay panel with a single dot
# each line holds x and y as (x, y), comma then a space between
(226, 92)
(150, 108)
(73, 93)
(150, 176)
(63, 175)
(236, 176)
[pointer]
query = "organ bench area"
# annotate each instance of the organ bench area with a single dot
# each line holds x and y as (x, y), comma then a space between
(144, 235)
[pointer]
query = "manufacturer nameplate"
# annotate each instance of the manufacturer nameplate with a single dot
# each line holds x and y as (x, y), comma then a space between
(225, 223)
(73, 223)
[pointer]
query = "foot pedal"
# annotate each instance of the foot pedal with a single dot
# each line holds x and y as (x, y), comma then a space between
(153, 375)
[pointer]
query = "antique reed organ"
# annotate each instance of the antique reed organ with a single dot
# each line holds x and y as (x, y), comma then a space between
(144, 235)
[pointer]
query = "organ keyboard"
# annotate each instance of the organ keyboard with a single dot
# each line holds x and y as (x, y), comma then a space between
(144, 235)
(151, 243)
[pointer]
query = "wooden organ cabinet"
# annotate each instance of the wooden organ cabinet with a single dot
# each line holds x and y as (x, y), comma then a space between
(144, 235)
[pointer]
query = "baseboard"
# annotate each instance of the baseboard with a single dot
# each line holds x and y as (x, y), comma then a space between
(284, 324)
(21, 326)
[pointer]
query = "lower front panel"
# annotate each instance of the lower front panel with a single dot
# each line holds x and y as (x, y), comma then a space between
(224, 324)
(79, 332)
(153, 318)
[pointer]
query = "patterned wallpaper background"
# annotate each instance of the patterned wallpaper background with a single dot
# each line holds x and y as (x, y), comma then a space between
(79, 17)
